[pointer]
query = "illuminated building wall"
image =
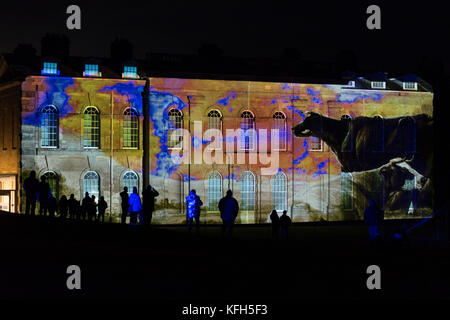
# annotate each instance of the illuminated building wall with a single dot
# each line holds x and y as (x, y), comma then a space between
(9, 146)
(81, 133)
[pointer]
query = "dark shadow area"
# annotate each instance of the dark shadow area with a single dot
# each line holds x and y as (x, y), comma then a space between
(166, 263)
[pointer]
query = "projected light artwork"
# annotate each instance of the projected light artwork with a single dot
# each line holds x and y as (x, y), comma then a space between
(234, 135)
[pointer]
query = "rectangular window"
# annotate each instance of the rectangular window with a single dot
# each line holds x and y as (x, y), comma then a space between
(50, 68)
(409, 85)
(91, 70)
(315, 144)
(129, 72)
(378, 84)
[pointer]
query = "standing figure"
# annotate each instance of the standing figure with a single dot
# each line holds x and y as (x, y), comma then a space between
(148, 204)
(102, 205)
(275, 224)
(52, 206)
(63, 206)
(78, 210)
(285, 222)
(92, 213)
(134, 206)
(85, 205)
(372, 219)
(72, 204)
(193, 204)
(124, 204)
(44, 194)
(229, 208)
(31, 189)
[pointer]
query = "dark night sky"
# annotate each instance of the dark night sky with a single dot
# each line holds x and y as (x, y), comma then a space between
(247, 29)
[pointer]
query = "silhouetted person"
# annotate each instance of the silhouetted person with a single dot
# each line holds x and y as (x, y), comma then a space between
(78, 210)
(275, 219)
(193, 204)
(92, 212)
(52, 206)
(134, 206)
(85, 205)
(102, 205)
(285, 222)
(63, 206)
(124, 204)
(72, 204)
(31, 189)
(229, 208)
(44, 194)
(372, 219)
(148, 204)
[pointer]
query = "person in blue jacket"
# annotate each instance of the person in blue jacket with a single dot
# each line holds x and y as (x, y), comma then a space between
(193, 204)
(134, 206)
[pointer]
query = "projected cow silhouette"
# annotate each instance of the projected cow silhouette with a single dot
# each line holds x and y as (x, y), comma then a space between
(366, 143)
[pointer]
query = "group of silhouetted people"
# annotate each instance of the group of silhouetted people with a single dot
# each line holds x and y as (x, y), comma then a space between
(132, 206)
(140, 212)
(39, 191)
(278, 223)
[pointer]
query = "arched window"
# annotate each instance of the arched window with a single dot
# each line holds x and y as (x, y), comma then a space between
(279, 123)
(214, 190)
(378, 125)
(247, 191)
(279, 191)
(130, 128)
(52, 179)
(215, 122)
(91, 132)
(175, 136)
(347, 190)
(49, 126)
(247, 130)
(130, 180)
(91, 184)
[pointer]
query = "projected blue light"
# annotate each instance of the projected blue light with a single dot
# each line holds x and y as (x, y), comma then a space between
(225, 101)
(320, 169)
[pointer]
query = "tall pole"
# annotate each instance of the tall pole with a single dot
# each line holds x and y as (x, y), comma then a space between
(146, 133)
(190, 156)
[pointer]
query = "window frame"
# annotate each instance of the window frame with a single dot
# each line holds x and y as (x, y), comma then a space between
(56, 126)
(130, 187)
(253, 136)
(245, 174)
(274, 124)
(275, 192)
(49, 175)
(91, 128)
(97, 195)
(218, 145)
(214, 176)
(179, 145)
(130, 119)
